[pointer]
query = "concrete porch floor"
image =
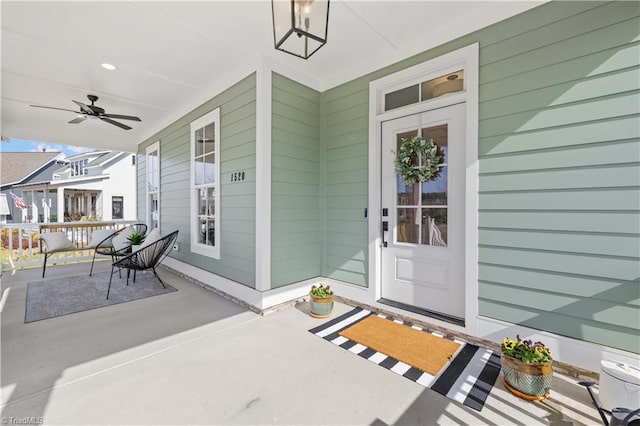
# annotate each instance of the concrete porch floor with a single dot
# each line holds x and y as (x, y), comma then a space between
(193, 357)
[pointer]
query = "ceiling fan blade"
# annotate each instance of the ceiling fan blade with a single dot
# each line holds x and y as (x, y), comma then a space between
(83, 107)
(122, 117)
(78, 119)
(115, 123)
(60, 109)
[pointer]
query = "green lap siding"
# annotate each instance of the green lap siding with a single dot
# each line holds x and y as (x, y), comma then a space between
(559, 160)
(238, 152)
(295, 182)
(559, 240)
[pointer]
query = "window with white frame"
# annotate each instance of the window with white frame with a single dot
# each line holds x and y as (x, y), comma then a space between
(79, 167)
(153, 185)
(205, 185)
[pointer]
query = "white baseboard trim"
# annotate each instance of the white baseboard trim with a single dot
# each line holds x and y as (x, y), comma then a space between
(259, 300)
(578, 353)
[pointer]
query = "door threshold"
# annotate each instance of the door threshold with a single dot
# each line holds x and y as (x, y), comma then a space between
(435, 315)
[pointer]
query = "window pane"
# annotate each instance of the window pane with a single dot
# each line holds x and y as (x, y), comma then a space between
(401, 138)
(408, 194)
(209, 168)
(202, 203)
(199, 142)
(211, 232)
(435, 192)
(209, 138)
(439, 135)
(206, 202)
(399, 98)
(153, 210)
(408, 226)
(202, 235)
(207, 231)
(153, 171)
(117, 207)
(211, 204)
(434, 227)
(198, 170)
(449, 83)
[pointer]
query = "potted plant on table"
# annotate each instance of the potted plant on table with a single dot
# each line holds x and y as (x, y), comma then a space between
(321, 301)
(136, 238)
(527, 368)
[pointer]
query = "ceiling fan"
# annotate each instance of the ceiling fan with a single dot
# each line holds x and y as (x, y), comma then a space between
(94, 112)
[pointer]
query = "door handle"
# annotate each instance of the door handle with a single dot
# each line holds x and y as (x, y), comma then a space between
(385, 228)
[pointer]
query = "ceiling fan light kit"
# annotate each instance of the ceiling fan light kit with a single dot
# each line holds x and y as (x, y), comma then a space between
(300, 26)
(94, 111)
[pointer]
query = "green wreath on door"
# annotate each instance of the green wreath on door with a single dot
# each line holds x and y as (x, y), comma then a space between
(419, 147)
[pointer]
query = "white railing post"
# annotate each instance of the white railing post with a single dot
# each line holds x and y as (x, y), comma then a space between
(30, 255)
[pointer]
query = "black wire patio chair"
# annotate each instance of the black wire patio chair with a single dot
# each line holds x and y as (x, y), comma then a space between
(148, 257)
(106, 248)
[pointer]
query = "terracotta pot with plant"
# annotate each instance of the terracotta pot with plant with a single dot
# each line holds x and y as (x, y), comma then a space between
(527, 368)
(321, 301)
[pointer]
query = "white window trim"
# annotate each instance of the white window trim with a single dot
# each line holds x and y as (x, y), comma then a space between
(151, 148)
(196, 247)
(467, 59)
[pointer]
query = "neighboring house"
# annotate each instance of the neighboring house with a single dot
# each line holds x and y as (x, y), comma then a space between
(93, 185)
(283, 185)
(25, 168)
(97, 185)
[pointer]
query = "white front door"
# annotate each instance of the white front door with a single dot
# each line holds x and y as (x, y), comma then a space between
(423, 251)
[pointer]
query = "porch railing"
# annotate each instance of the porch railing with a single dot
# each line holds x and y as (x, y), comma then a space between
(20, 245)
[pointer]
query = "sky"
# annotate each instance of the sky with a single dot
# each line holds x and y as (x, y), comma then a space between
(18, 145)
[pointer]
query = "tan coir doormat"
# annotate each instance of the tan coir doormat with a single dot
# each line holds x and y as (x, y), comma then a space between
(468, 378)
(413, 347)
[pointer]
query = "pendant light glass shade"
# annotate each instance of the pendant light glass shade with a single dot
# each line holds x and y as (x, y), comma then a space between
(300, 26)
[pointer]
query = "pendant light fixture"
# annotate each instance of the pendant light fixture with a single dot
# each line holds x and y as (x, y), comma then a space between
(300, 26)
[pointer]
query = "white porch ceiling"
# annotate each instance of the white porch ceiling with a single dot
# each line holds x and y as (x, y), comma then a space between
(173, 56)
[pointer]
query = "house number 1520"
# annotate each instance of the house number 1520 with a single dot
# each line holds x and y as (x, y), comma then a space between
(237, 176)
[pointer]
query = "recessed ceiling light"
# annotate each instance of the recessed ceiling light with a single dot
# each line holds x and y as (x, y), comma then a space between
(107, 66)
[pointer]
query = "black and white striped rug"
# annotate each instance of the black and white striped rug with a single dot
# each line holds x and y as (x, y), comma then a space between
(468, 377)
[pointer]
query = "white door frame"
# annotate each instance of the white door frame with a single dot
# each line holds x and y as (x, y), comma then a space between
(466, 58)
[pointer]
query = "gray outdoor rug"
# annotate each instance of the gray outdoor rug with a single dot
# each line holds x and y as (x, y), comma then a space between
(62, 296)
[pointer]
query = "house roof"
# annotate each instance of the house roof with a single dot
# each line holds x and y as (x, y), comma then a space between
(95, 152)
(104, 158)
(17, 166)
